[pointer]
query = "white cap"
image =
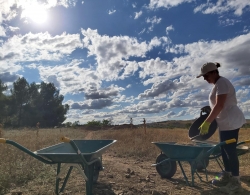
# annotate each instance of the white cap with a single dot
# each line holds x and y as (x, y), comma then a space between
(208, 67)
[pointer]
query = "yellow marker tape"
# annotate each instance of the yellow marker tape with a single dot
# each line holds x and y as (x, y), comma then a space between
(247, 141)
(230, 141)
(64, 139)
(2, 141)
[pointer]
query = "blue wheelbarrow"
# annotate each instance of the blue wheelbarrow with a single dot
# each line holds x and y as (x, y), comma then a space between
(85, 155)
(172, 152)
(241, 150)
(202, 140)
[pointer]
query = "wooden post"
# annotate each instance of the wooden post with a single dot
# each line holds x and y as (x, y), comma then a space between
(131, 123)
(144, 125)
(37, 128)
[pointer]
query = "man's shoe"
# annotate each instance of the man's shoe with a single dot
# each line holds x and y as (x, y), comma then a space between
(222, 180)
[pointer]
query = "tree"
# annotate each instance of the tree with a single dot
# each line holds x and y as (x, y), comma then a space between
(32, 114)
(94, 123)
(29, 104)
(106, 122)
(3, 101)
(20, 97)
(50, 105)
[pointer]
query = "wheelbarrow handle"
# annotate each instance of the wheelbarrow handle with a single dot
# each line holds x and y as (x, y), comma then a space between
(230, 141)
(243, 142)
(246, 141)
(64, 139)
(73, 144)
(209, 152)
(2, 141)
(27, 151)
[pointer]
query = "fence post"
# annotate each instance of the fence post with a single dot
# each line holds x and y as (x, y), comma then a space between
(144, 125)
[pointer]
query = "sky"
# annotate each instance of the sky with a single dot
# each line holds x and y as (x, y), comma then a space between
(123, 59)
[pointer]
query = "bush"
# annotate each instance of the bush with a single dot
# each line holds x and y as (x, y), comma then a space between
(94, 123)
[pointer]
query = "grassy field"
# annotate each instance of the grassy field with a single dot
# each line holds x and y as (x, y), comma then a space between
(17, 168)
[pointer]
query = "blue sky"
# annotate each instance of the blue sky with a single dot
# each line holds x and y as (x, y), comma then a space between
(122, 59)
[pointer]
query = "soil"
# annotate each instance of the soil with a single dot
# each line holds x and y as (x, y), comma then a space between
(136, 176)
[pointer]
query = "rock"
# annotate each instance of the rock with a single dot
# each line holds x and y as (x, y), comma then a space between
(154, 192)
(16, 192)
(127, 175)
(110, 176)
(118, 192)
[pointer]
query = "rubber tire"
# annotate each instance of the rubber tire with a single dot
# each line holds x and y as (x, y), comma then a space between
(166, 169)
(200, 166)
(97, 168)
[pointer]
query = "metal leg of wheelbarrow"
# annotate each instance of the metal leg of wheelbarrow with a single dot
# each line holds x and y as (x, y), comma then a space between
(58, 179)
(220, 163)
(89, 170)
(193, 170)
(218, 160)
(184, 174)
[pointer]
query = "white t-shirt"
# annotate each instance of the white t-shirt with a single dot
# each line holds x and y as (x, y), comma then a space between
(230, 117)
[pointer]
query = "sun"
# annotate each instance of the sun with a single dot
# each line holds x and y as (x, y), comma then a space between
(36, 13)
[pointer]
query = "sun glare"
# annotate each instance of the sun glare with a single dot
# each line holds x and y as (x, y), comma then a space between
(36, 13)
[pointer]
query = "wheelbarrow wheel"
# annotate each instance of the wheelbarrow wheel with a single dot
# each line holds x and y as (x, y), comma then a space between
(200, 166)
(97, 168)
(166, 169)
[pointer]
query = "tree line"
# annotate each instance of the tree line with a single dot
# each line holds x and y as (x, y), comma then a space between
(27, 104)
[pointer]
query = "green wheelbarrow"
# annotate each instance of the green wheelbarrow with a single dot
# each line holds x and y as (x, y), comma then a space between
(172, 152)
(194, 135)
(85, 155)
(241, 150)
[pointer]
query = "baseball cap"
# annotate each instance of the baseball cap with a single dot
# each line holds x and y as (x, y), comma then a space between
(207, 67)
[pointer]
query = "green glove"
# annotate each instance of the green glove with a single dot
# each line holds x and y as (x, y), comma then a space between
(204, 127)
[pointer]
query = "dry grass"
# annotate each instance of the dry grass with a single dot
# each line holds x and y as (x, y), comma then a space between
(17, 168)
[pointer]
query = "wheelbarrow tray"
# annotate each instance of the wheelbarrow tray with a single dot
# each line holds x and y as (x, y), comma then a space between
(65, 153)
(180, 152)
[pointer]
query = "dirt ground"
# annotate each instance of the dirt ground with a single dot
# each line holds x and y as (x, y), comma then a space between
(135, 176)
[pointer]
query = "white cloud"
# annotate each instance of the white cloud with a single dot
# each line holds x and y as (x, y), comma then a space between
(138, 14)
(222, 6)
(36, 47)
(153, 21)
(169, 28)
(111, 11)
(2, 32)
(69, 77)
(166, 3)
(112, 61)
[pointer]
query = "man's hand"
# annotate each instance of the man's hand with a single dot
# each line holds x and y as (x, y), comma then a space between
(204, 127)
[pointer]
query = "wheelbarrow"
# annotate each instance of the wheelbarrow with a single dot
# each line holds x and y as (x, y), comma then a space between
(85, 155)
(172, 152)
(241, 150)
(194, 135)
